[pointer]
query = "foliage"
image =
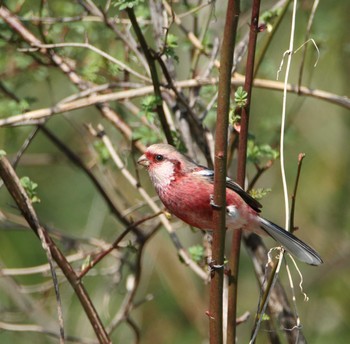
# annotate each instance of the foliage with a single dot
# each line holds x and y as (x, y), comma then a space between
(171, 44)
(124, 4)
(31, 188)
(196, 252)
(258, 152)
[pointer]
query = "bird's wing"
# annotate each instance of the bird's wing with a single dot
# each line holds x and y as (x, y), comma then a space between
(252, 202)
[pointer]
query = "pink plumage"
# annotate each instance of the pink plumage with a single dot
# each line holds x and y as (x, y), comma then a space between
(186, 190)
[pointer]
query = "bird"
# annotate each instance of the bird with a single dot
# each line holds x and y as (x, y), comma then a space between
(186, 189)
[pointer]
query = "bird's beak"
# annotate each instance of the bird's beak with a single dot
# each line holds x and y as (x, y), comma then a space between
(143, 161)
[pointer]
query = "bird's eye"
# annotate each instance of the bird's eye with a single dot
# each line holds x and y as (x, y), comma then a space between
(159, 157)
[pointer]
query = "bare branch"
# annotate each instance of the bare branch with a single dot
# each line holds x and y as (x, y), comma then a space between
(19, 195)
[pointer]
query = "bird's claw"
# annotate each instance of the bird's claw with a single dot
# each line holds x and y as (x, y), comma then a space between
(213, 266)
(213, 204)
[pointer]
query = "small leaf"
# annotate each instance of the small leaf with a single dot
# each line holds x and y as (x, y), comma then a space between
(86, 263)
(196, 252)
(234, 118)
(124, 4)
(30, 187)
(2, 153)
(102, 151)
(255, 152)
(179, 144)
(131, 247)
(265, 317)
(259, 193)
(241, 97)
(170, 45)
(150, 103)
(145, 134)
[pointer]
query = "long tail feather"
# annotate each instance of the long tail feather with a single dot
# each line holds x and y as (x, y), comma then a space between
(291, 243)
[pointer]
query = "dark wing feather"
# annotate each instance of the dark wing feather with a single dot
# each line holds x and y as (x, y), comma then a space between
(252, 202)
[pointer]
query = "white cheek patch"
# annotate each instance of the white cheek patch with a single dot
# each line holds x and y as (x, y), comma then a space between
(162, 174)
(232, 212)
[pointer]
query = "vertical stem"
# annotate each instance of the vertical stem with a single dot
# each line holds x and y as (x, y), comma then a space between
(154, 74)
(226, 62)
(241, 170)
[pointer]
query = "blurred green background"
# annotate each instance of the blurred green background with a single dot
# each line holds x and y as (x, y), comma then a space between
(71, 204)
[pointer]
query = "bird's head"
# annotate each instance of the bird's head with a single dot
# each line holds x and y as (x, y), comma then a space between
(164, 163)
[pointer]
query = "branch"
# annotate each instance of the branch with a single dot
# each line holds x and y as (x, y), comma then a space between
(19, 195)
(154, 74)
(100, 52)
(219, 206)
(42, 330)
(32, 117)
(241, 172)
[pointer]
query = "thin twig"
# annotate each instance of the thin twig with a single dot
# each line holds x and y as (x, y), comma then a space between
(294, 195)
(39, 329)
(123, 66)
(115, 244)
(17, 192)
(154, 74)
(307, 35)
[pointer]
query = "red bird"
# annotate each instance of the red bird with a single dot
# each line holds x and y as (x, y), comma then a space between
(186, 189)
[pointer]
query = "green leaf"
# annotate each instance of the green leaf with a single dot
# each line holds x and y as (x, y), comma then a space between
(102, 151)
(269, 18)
(233, 117)
(150, 103)
(265, 317)
(241, 97)
(256, 153)
(148, 107)
(113, 68)
(86, 262)
(131, 247)
(30, 187)
(179, 144)
(196, 252)
(170, 45)
(171, 41)
(259, 193)
(145, 134)
(124, 4)
(2, 153)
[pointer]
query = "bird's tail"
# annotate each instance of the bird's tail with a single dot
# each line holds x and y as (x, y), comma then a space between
(291, 243)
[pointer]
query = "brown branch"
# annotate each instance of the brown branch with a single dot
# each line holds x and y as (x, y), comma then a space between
(115, 244)
(40, 329)
(24, 204)
(306, 39)
(265, 45)
(196, 126)
(219, 206)
(127, 306)
(31, 117)
(154, 74)
(241, 172)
